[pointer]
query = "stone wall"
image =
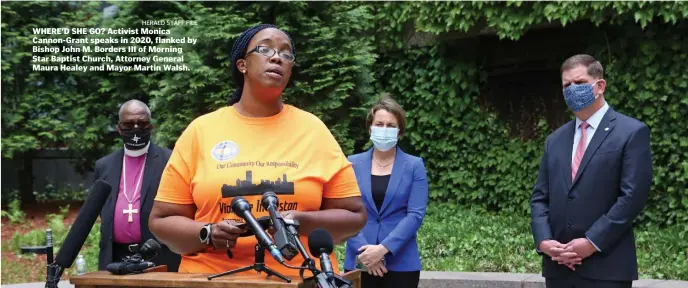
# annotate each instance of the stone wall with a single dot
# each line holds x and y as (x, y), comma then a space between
(432, 279)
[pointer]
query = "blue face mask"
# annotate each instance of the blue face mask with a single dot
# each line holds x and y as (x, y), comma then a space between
(384, 138)
(579, 96)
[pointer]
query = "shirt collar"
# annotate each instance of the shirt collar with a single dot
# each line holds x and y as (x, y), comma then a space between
(137, 153)
(596, 117)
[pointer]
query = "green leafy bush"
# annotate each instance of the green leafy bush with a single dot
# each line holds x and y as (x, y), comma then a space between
(475, 240)
(9, 195)
(14, 212)
(65, 193)
(348, 52)
(55, 222)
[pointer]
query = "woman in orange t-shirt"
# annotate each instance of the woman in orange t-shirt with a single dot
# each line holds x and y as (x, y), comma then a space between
(256, 141)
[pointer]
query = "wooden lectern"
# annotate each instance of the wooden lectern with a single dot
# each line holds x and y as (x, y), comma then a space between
(104, 279)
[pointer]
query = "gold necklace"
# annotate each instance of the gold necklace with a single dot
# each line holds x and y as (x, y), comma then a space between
(382, 166)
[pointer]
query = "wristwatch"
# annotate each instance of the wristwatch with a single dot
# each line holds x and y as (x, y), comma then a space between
(205, 234)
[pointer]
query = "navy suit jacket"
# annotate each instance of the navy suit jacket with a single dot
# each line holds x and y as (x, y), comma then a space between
(610, 189)
(109, 168)
(400, 215)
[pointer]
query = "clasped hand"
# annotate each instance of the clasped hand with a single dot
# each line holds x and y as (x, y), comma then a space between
(569, 254)
(371, 256)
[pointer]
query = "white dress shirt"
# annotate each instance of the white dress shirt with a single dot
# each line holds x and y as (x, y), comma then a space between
(593, 125)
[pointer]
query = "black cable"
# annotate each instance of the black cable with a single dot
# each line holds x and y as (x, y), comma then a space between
(295, 267)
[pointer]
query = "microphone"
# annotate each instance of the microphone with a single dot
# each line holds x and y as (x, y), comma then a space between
(308, 263)
(320, 243)
(292, 229)
(84, 222)
(149, 249)
(138, 262)
(241, 208)
(282, 240)
(123, 268)
(79, 231)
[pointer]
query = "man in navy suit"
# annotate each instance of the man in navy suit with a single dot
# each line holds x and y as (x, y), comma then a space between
(594, 179)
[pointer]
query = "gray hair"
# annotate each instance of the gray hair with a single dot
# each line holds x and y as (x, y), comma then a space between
(134, 102)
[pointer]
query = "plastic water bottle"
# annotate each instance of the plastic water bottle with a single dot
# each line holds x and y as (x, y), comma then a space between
(80, 265)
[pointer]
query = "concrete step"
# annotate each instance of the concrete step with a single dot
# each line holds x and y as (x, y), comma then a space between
(436, 279)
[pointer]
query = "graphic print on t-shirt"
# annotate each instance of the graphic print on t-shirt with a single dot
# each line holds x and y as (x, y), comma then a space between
(225, 151)
(246, 187)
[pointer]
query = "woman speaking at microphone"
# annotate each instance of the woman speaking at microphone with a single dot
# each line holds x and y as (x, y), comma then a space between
(256, 140)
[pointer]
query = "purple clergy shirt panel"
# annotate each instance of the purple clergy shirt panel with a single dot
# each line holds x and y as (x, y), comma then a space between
(125, 232)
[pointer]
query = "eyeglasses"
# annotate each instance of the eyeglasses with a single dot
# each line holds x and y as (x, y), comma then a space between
(130, 125)
(269, 52)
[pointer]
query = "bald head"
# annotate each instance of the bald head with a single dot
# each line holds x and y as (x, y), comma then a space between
(134, 107)
(135, 127)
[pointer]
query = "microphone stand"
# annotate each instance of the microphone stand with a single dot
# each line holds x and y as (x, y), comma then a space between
(54, 274)
(321, 278)
(336, 282)
(292, 226)
(258, 266)
(49, 248)
(53, 270)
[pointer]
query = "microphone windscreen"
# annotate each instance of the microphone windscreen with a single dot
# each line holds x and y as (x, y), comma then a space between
(320, 241)
(152, 245)
(239, 205)
(150, 249)
(117, 268)
(84, 222)
(269, 198)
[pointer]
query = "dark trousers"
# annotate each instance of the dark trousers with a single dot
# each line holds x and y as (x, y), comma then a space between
(120, 251)
(575, 281)
(391, 279)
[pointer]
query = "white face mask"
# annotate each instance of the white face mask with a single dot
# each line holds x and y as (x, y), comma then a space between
(136, 153)
(384, 138)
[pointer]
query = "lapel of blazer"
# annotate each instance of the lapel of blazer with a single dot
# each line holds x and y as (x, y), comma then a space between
(398, 169)
(568, 149)
(148, 175)
(601, 132)
(365, 169)
(113, 176)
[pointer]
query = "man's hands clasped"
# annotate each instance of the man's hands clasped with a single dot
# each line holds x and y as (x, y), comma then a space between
(569, 254)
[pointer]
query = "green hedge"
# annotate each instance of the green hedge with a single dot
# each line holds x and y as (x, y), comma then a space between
(473, 158)
(450, 239)
(349, 52)
(474, 240)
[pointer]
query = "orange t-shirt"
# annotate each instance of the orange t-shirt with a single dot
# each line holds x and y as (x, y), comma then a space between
(223, 154)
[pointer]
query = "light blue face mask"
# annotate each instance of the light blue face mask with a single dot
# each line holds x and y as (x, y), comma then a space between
(579, 96)
(384, 138)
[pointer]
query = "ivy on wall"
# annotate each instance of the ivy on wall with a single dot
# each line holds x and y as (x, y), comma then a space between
(349, 52)
(472, 158)
(648, 71)
(509, 20)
